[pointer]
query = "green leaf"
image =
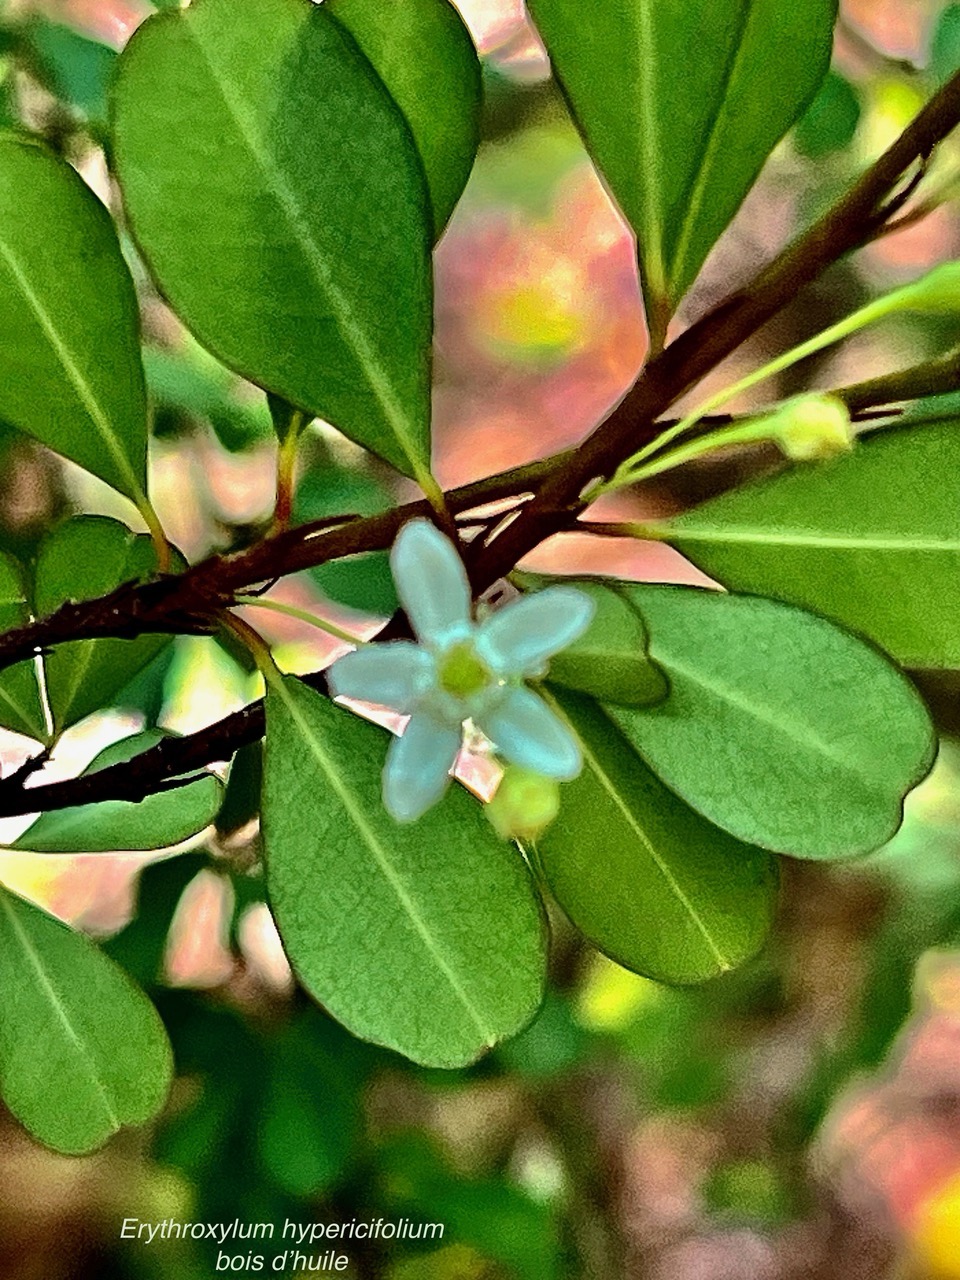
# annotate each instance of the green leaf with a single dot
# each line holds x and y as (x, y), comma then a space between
(83, 558)
(427, 938)
(779, 727)
(70, 371)
(82, 1051)
(945, 44)
(21, 708)
(830, 122)
(610, 661)
(156, 822)
(276, 192)
(189, 383)
(422, 51)
(73, 67)
(871, 540)
(680, 104)
(646, 879)
(363, 581)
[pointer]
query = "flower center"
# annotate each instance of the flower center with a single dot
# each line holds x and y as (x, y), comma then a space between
(461, 673)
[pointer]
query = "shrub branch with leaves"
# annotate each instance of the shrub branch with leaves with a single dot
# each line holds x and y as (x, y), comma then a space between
(285, 170)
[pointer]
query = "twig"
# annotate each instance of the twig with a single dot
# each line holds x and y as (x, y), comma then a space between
(933, 377)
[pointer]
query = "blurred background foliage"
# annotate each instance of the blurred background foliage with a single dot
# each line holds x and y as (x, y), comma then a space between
(797, 1120)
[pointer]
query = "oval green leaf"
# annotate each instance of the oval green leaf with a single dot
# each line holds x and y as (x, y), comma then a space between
(21, 708)
(423, 53)
(279, 199)
(427, 938)
(610, 661)
(70, 370)
(680, 104)
(81, 559)
(646, 879)
(779, 727)
(830, 122)
(871, 540)
(329, 488)
(82, 1050)
(156, 822)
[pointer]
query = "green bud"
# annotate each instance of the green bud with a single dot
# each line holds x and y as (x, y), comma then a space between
(810, 427)
(524, 805)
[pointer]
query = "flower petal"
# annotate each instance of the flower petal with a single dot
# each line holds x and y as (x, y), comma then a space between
(417, 772)
(519, 638)
(395, 675)
(526, 732)
(431, 583)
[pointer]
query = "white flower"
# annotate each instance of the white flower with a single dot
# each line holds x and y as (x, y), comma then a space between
(462, 670)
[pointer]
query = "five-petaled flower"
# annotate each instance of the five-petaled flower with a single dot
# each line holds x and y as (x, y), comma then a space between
(462, 670)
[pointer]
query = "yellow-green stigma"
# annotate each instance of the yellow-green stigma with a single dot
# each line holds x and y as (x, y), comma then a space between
(461, 673)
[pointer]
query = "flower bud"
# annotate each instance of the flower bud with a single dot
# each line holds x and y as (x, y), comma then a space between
(810, 427)
(524, 805)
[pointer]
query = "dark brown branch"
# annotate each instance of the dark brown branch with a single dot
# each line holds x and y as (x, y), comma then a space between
(188, 603)
(173, 762)
(160, 768)
(191, 601)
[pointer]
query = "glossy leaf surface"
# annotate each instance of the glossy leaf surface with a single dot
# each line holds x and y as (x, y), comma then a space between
(779, 727)
(428, 937)
(646, 879)
(424, 54)
(277, 194)
(680, 104)
(82, 1050)
(871, 540)
(87, 557)
(70, 371)
(160, 820)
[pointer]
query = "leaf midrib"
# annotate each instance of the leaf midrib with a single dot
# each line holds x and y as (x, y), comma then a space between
(711, 142)
(81, 385)
(649, 142)
(608, 785)
(804, 735)
(747, 535)
(382, 859)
